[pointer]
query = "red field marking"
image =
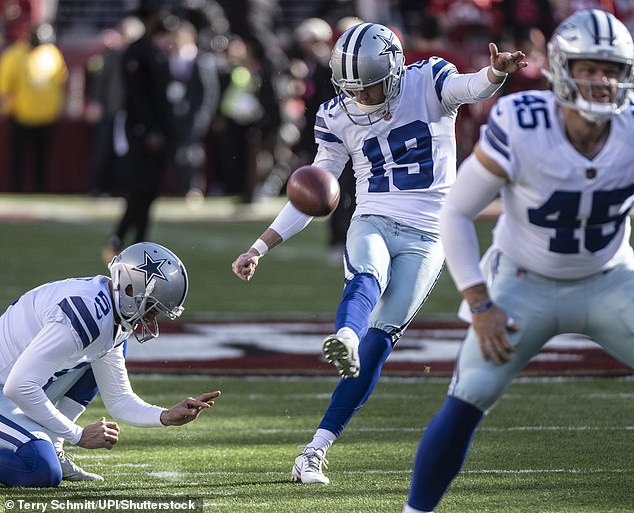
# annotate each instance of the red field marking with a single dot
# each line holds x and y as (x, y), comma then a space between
(294, 347)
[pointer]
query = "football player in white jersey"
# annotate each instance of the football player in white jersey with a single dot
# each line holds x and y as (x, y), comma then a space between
(62, 340)
(396, 123)
(561, 261)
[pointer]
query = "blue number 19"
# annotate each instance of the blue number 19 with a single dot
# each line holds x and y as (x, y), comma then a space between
(409, 144)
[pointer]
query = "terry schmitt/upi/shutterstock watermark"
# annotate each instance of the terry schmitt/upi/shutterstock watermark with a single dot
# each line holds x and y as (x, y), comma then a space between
(96, 505)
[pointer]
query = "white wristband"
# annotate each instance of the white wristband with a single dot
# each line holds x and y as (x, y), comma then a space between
(261, 247)
(498, 73)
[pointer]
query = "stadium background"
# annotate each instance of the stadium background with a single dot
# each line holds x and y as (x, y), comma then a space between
(559, 442)
(460, 29)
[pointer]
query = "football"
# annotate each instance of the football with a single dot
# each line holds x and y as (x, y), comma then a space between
(313, 191)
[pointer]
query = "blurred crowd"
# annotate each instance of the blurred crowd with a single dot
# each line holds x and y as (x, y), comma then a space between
(218, 97)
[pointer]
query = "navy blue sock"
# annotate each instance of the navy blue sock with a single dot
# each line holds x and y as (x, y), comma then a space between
(359, 297)
(351, 394)
(441, 452)
(34, 464)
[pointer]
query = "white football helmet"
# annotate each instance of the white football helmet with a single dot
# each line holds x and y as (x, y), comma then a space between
(147, 277)
(365, 55)
(590, 34)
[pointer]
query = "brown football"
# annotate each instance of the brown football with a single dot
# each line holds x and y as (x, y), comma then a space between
(313, 190)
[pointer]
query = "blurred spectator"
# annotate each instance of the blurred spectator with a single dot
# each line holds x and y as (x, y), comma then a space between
(106, 101)
(15, 20)
(532, 42)
(376, 11)
(148, 126)
(193, 93)
(255, 22)
(310, 67)
(624, 10)
(314, 45)
(33, 78)
(522, 15)
(427, 38)
(208, 18)
(246, 130)
(564, 8)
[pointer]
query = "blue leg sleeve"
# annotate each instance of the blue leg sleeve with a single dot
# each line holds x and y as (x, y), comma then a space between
(359, 297)
(441, 452)
(351, 394)
(34, 464)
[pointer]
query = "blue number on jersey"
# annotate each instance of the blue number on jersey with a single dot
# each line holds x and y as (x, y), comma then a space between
(409, 144)
(561, 213)
(102, 305)
(530, 109)
(603, 212)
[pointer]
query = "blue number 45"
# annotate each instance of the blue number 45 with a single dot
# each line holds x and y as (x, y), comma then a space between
(561, 213)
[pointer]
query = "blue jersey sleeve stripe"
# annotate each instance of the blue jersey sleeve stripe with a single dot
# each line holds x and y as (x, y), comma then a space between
(320, 122)
(4, 420)
(438, 66)
(417, 64)
(74, 320)
(8, 438)
(327, 136)
(86, 316)
(497, 131)
(439, 83)
(494, 142)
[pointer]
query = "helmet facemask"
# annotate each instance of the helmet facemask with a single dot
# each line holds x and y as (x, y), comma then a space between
(369, 114)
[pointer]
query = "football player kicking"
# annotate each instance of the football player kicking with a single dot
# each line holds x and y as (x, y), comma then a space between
(397, 124)
(62, 342)
(560, 261)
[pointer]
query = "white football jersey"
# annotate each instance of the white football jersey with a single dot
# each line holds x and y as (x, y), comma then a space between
(405, 163)
(81, 304)
(563, 215)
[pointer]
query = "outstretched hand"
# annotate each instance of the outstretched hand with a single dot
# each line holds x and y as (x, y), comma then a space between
(244, 266)
(188, 409)
(506, 62)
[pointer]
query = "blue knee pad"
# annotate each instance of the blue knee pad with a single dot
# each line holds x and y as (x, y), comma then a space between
(34, 464)
(359, 298)
(84, 390)
(351, 394)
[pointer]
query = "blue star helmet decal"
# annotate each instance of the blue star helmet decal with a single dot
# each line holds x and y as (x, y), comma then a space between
(390, 47)
(151, 268)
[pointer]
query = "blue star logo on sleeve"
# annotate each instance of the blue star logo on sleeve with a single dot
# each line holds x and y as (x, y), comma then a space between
(151, 268)
(390, 47)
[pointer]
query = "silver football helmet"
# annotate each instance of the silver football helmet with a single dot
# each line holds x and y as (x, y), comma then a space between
(365, 55)
(147, 278)
(597, 35)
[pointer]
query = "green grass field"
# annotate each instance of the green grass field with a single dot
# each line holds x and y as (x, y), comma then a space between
(549, 447)
(558, 446)
(295, 280)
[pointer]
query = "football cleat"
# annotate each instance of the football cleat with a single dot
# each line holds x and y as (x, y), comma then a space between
(343, 353)
(73, 472)
(307, 468)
